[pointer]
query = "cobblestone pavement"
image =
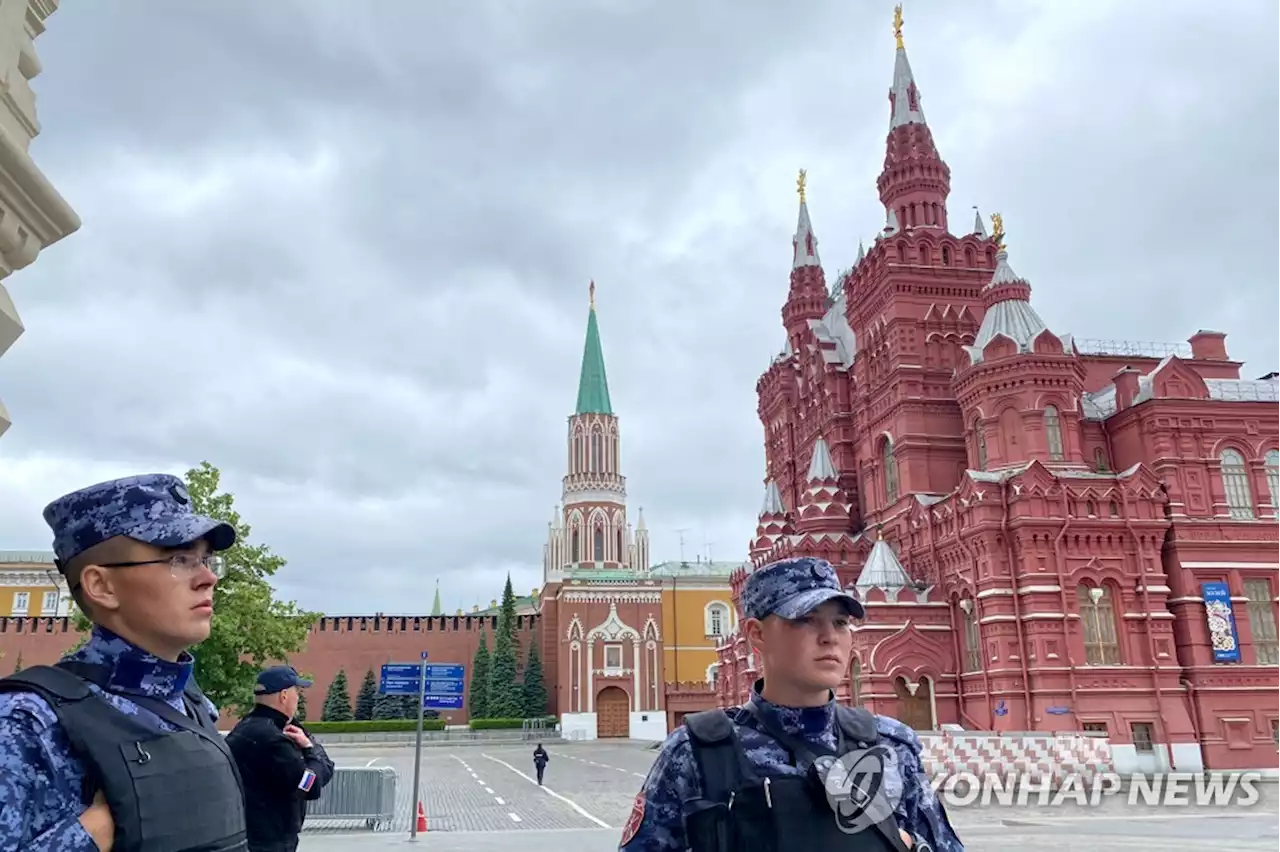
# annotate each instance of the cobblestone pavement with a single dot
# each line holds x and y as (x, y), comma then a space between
(475, 797)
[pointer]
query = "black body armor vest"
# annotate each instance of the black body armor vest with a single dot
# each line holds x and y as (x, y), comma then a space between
(168, 791)
(742, 810)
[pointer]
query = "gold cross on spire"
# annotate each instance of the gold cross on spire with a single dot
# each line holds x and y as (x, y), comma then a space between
(800, 182)
(897, 25)
(591, 294)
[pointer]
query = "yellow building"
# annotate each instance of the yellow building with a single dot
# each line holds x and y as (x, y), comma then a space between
(31, 585)
(697, 610)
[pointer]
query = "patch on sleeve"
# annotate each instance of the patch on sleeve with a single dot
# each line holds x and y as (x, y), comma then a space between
(308, 780)
(633, 821)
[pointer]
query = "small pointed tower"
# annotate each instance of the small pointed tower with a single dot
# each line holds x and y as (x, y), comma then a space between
(773, 518)
(823, 508)
(915, 182)
(1016, 364)
(592, 531)
(807, 298)
(436, 609)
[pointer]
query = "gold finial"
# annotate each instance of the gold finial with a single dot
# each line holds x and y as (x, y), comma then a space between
(591, 294)
(897, 25)
(997, 231)
(800, 182)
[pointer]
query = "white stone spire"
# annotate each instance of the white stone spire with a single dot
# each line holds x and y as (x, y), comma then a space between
(805, 243)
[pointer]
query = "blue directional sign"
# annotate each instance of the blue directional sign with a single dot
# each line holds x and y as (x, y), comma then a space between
(444, 687)
(400, 679)
(440, 671)
(442, 702)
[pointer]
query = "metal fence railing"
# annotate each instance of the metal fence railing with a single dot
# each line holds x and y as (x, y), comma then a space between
(358, 793)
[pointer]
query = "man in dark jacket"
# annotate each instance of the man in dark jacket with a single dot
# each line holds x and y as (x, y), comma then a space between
(540, 758)
(281, 766)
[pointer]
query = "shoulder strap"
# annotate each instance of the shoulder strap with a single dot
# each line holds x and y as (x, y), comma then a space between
(721, 763)
(858, 724)
(54, 684)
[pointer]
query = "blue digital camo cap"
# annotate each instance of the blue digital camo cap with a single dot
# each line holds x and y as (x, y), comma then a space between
(153, 508)
(791, 588)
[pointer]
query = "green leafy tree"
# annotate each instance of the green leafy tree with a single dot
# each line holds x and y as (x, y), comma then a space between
(505, 699)
(366, 697)
(337, 703)
(478, 695)
(302, 704)
(535, 690)
(251, 629)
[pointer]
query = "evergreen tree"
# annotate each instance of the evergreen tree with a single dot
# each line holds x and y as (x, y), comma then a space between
(367, 695)
(507, 616)
(337, 703)
(408, 707)
(505, 699)
(388, 707)
(302, 705)
(535, 691)
(478, 695)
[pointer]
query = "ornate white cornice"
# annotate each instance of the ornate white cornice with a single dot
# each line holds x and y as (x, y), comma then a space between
(33, 579)
(613, 672)
(612, 597)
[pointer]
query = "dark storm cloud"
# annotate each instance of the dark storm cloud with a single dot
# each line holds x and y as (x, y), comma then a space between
(343, 254)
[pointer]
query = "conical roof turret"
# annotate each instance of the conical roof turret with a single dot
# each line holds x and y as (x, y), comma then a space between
(593, 384)
(915, 182)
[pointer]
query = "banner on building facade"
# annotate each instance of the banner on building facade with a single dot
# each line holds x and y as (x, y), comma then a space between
(1222, 622)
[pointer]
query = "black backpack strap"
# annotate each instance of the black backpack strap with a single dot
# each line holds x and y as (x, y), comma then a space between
(722, 764)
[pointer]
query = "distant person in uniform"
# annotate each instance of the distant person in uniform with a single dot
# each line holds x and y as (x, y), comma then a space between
(282, 767)
(790, 769)
(114, 747)
(540, 758)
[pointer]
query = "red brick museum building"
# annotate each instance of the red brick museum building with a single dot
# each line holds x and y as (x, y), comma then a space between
(1049, 533)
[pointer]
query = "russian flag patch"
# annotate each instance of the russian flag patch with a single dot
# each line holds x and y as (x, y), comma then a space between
(308, 780)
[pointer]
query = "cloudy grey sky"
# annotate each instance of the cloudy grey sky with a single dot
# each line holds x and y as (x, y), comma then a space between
(343, 254)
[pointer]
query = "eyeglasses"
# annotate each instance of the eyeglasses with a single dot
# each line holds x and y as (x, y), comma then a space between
(178, 563)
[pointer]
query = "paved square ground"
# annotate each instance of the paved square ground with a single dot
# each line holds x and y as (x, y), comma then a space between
(479, 798)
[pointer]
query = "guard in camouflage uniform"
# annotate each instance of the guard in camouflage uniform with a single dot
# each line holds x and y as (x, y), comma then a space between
(791, 769)
(114, 747)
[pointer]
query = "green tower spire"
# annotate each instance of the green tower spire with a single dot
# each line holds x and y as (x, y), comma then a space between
(436, 609)
(593, 386)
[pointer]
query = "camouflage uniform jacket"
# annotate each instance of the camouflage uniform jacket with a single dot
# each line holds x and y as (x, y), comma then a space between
(657, 816)
(40, 779)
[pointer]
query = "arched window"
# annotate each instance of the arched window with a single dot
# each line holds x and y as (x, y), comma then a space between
(1235, 481)
(890, 473)
(717, 619)
(980, 439)
(599, 544)
(1098, 614)
(855, 682)
(597, 453)
(575, 547)
(1272, 460)
(1100, 460)
(1053, 432)
(620, 552)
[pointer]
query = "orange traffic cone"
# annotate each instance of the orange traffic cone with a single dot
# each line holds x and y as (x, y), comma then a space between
(422, 817)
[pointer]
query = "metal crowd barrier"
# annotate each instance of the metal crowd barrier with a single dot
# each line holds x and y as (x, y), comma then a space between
(358, 793)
